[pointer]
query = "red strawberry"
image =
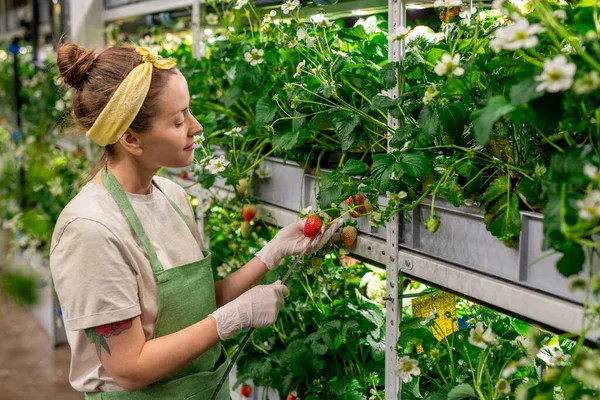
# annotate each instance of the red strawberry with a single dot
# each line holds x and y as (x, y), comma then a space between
(246, 390)
(292, 396)
(349, 235)
(359, 200)
(246, 229)
(183, 175)
(312, 226)
(249, 212)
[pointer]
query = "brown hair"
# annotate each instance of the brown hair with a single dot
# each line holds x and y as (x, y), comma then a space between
(96, 78)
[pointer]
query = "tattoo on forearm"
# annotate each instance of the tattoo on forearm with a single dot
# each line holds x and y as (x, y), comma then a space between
(99, 334)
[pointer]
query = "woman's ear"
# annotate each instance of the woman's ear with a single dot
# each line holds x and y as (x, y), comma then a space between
(130, 141)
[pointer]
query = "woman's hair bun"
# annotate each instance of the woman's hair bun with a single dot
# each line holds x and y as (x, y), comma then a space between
(74, 61)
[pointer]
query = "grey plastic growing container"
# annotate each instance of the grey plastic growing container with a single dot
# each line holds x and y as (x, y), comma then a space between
(462, 239)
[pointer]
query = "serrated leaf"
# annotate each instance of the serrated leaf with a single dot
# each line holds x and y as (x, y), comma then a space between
(345, 126)
(502, 218)
(266, 108)
(330, 189)
(247, 77)
(354, 34)
(452, 191)
(206, 180)
(414, 163)
(388, 75)
(381, 171)
(462, 391)
(233, 95)
(428, 121)
(525, 91)
(377, 347)
(485, 118)
(355, 167)
(383, 102)
(286, 140)
(298, 121)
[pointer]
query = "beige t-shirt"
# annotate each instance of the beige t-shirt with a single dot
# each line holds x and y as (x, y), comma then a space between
(102, 273)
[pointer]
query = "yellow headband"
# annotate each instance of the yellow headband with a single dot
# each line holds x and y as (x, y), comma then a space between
(125, 104)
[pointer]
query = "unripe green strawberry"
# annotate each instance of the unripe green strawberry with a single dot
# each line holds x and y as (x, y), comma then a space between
(312, 226)
(432, 223)
(246, 229)
(349, 235)
(241, 188)
(235, 225)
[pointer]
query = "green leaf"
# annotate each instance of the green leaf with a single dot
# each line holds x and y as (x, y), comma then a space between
(381, 170)
(20, 287)
(568, 167)
(462, 391)
(416, 390)
(353, 35)
(383, 102)
(572, 261)
(452, 191)
(520, 326)
(266, 108)
(453, 118)
(502, 218)
(525, 91)
(434, 55)
(485, 118)
(377, 347)
(354, 167)
(388, 75)
(298, 121)
(206, 180)
(247, 77)
(429, 121)
(330, 189)
(344, 127)
(233, 95)
(414, 163)
(588, 3)
(286, 140)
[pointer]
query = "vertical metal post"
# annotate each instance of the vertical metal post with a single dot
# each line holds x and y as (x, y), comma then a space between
(35, 32)
(393, 315)
(196, 29)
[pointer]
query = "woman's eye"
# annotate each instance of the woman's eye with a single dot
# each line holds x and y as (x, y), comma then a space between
(179, 124)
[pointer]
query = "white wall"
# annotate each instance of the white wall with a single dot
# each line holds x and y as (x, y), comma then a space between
(86, 23)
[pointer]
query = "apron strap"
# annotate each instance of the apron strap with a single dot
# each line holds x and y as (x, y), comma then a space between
(176, 207)
(116, 191)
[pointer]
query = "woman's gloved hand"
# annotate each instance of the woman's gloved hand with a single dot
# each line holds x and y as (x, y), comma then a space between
(256, 308)
(290, 241)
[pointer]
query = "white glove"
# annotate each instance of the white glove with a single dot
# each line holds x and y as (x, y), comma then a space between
(257, 308)
(290, 241)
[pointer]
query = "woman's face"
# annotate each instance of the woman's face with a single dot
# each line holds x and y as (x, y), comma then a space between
(170, 141)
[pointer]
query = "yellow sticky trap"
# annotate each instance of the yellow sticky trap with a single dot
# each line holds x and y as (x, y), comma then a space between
(444, 303)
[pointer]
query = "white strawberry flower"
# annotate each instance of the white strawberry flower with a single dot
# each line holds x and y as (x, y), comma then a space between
(212, 19)
(60, 105)
(557, 76)
(301, 34)
(290, 5)
(235, 132)
(560, 14)
(430, 94)
(299, 67)
(262, 172)
(592, 172)
(402, 194)
(255, 56)
(447, 3)
(589, 208)
(320, 20)
(293, 43)
(240, 3)
(217, 165)
(399, 34)
(560, 358)
(199, 139)
(449, 65)
(407, 368)
(311, 41)
(305, 212)
(587, 83)
(510, 370)
(480, 338)
(430, 317)
(340, 53)
(520, 35)
(268, 18)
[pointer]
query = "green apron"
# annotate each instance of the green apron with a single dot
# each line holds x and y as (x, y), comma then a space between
(187, 295)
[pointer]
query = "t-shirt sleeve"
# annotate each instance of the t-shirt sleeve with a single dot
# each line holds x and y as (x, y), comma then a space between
(94, 282)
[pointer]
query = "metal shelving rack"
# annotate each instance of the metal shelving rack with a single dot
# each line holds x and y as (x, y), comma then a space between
(398, 258)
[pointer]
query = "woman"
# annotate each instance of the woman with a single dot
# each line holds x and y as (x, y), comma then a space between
(143, 315)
